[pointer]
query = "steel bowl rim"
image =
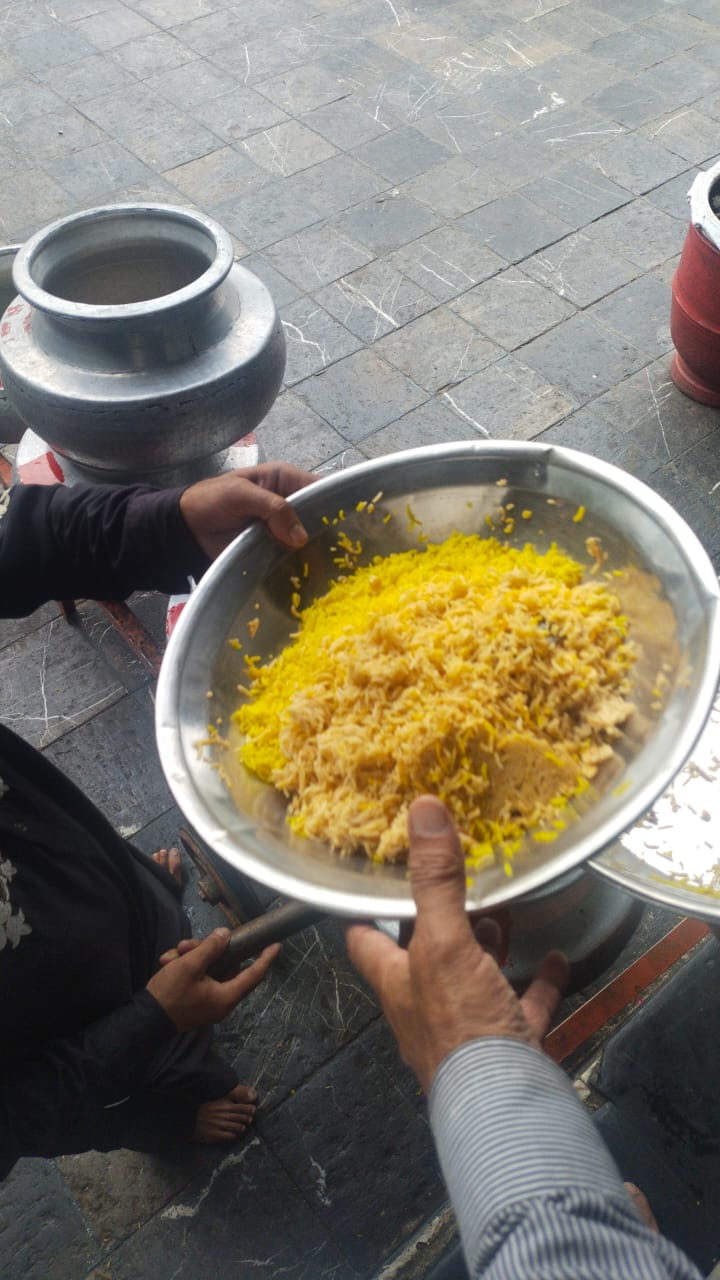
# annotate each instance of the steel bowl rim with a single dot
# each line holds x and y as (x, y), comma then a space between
(356, 904)
(119, 313)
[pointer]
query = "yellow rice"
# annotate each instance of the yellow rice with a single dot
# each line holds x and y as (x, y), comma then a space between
(492, 676)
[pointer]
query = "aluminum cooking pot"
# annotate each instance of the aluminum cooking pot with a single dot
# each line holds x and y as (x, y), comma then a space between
(674, 607)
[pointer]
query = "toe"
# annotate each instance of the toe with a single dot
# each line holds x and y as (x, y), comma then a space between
(244, 1093)
(161, 857)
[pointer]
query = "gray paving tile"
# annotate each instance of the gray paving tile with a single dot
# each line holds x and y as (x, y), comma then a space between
(699, 508)
(375, 300)
(666, 270)
(178, 142)
(511, 308)
(515, 158)
(582, 358)
(56, 134)
(387, 222)
(42, 1229)
(508, 401)
(317, 1004)
(629, 104)
(283, 292)
(13, 162)
(360, 394)
(681, 76)
(584, 431)
(339, 182)
(130, 109)
(639, 232)
(633, 50)
(263, 55)
(689, 134)
(196, 81)
(447, 262)
(113, 26)
(220, 175)
(580, 269)
(303, 88)
(639, 313)
(50, 47)
(348, 457)
(95, 172)
(87, 78)
(318, 256)
(633, 10)
(287, 148)
(294, 432)
(147, 1182)
(312, 1134)
(461, 127)
(16, 628)
(350, 121)
(240, 1218)
(578, 193)
(29, 202)
(402, 153)
(672, 196)
(262, 217)
(71, 10)
(438, 350)
(513, 227)
(453, 188)
(431, 423)
(22, 98)
(685, 29)
(515, 99)
(235, 115)
(576, 25)
(575, 75)
(314, 340)
(150, 55)
(648, 407)
(117, 740)
(233, 27)
(638, 163)
(169, 13)
(708, 52)
(570, 133)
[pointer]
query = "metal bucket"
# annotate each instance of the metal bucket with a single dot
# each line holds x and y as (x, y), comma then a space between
(12, 426)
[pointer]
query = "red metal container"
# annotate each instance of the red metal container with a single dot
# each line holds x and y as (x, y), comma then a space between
(695, 309)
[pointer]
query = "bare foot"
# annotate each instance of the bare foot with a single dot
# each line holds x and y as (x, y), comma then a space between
(642, 1204)
(171, 860)
(225, 1119)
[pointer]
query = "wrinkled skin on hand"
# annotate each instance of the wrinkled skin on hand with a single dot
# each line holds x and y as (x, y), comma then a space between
(446, 988)
(217, 510)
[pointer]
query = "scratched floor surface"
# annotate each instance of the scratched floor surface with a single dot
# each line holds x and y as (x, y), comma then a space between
(469, 216)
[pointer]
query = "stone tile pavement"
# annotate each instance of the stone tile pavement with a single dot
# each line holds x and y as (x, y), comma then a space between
(468, 216)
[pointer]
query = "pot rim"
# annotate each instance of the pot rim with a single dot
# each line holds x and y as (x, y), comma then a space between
(65, 309)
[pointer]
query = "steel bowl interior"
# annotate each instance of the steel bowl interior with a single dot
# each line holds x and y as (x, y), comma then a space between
(673, 604)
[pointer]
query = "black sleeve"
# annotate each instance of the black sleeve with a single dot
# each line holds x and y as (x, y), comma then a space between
(41, 1099)
(97, 541)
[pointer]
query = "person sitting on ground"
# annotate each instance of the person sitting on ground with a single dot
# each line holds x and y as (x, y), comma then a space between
(534, 1189)
(103, 1045)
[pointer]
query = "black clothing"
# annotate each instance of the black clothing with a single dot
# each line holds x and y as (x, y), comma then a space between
(87, 1057)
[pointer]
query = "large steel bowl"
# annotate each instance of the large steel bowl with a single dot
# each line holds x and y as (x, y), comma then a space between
(447, 487)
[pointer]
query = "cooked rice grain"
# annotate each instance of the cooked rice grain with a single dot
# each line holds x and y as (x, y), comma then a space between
(491, 676)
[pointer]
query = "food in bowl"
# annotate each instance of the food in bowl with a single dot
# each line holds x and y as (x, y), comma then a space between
(495, 676)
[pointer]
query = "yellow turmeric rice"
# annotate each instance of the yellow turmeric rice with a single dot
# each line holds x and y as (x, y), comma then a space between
(495, 677)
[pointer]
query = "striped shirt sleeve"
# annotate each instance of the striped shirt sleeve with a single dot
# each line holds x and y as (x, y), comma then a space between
(534, 1189)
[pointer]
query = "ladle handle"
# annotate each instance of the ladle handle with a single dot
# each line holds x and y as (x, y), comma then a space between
(250, 939)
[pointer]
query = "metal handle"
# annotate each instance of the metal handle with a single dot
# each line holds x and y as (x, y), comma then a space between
(249, 939)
